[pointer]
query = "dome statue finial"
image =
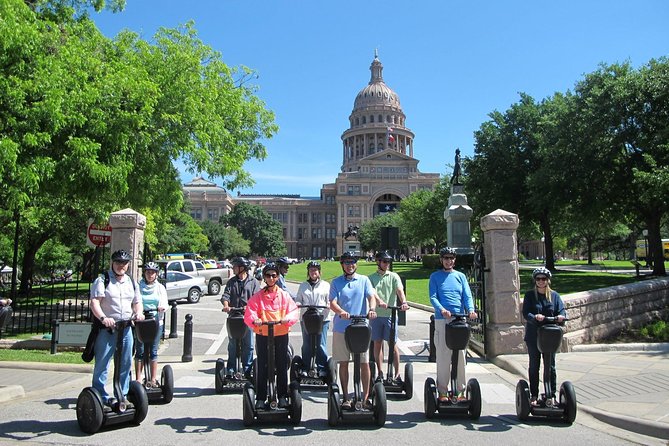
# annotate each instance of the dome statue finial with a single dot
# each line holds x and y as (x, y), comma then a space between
(376, 53)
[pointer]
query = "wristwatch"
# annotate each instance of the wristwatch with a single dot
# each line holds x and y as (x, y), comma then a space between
(102, 318)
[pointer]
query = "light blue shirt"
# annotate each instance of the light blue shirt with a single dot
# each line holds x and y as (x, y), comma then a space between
(351, 296)
(450, 291)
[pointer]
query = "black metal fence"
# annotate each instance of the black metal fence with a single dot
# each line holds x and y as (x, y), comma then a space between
(476, 276)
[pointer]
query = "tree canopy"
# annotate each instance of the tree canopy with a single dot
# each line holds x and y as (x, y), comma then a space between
(258, 227)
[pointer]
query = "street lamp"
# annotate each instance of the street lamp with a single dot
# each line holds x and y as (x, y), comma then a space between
(645, 246)
(543, 249)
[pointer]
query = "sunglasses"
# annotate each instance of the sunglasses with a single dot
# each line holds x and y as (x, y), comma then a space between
(541, 279)
(271, 276)
(448, 258)
(384, 261)
(349, 262)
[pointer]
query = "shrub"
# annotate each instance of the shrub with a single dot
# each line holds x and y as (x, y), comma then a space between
(431, 261)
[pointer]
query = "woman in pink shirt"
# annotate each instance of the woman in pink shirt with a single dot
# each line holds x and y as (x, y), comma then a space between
(271, 304)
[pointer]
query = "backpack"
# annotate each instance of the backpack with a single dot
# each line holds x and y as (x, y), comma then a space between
(89, 351)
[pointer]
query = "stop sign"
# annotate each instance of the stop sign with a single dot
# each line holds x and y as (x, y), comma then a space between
(98, 235)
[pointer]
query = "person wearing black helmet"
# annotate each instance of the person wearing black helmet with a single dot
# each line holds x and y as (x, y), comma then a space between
(449, 293)
(390, 290)
(154, 301)
(350, 294)
(236, 294)
(271, 303)
(283, 264)
(315, 291)
(539, 302)
(116, 301)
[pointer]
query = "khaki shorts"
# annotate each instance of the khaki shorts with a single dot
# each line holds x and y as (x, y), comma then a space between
(340, 352)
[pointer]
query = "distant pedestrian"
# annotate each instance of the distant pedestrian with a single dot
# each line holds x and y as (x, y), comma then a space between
(538, 303)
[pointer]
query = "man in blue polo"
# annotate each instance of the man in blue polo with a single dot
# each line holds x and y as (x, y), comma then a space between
(350, 294)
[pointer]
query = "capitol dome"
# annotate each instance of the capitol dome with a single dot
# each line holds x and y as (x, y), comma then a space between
(376, 93)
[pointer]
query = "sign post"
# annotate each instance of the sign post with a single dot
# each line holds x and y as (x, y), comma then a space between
(98, 235)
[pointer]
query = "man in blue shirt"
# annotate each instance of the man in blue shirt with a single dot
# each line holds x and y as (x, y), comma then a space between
(350, 294)
(449, 294)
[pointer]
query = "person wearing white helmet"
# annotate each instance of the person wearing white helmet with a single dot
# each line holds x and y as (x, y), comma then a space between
(449, 294)
(154, 300)
(539, 302)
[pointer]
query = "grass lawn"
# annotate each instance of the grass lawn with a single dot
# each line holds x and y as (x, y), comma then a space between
(417, 277)
(40, 356)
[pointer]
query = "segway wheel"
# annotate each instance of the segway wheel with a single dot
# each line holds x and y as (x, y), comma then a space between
(332, 371)
(333, 405)
(137, 396)
(248, 400)
(295, 405)
(408, 380)
(219, 376)
(522, 400)
(474, 397)
(430, 398)
(295, 368)
(89, 410)
(380, 404)
(167, 383)
(568, 401)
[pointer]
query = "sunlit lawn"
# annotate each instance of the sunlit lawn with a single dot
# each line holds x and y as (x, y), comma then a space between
(417, 277)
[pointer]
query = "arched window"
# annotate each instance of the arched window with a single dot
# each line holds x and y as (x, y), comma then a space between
(357, 121)
(364, 120)
(371, 119)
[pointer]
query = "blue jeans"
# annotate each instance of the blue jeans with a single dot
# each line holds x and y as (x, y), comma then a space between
(105, 344)
(247, 352)
(321, 350)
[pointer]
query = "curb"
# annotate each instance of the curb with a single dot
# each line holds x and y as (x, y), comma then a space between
(47, 366)
(633, 347)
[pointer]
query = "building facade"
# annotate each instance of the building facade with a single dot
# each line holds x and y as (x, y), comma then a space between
(378, 170)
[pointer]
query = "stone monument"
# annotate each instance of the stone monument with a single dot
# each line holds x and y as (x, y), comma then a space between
(128, 233)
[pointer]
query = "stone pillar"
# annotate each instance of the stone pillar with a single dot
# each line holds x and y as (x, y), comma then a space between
(458, 215)
(128, 234)
(504, 329)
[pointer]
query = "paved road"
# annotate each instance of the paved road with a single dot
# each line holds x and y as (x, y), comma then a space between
(46, 414)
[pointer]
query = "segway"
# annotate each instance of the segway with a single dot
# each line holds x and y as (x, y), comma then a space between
(392, 385)
(549, 338)
(307, 375)
(236, 332)
(457, 338)
(271, 411)
(146, 331)
(93, 414)
(357, 336)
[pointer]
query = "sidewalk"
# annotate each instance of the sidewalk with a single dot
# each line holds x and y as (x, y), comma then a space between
(625, 385)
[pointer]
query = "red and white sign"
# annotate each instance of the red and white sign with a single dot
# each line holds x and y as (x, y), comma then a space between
(98, 235)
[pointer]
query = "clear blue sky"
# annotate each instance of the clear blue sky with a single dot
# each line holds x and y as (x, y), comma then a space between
(450, 62)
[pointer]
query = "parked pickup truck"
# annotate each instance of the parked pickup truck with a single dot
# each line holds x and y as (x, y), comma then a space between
(214, 278)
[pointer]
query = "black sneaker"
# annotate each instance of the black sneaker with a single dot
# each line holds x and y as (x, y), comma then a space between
(260, 404)
(398, 380)
(283, 403)
(248, 376)
(379, 378)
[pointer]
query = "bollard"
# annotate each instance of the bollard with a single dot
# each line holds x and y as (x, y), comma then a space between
(173, 321)
(433, 349)
(188, 339)
(54, 336)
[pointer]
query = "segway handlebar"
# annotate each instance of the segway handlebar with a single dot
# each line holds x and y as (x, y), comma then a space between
(317, 307)
(552, 320)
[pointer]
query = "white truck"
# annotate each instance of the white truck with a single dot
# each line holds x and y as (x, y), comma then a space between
(214, 278)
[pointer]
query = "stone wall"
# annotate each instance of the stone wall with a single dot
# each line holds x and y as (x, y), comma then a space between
(597, 314)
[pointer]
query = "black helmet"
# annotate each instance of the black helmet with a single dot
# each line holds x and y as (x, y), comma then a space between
(314, 264)
(241, 261)
(447, 251)
(270, 267)
(151, 266)
(383, 255)
(121, 256)
(348, 255)
(282, 261)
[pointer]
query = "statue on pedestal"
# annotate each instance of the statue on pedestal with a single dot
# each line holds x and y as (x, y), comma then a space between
(455, 179)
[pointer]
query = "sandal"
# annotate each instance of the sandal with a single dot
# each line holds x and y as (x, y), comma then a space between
(368, 405)
(346, 405)
(534, 402)
(443, 397)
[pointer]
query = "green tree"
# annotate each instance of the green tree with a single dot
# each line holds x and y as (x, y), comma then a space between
(256, 225)
(91, 125)
(224, 242)
(183, 234)
(422, 216)
(369, 233)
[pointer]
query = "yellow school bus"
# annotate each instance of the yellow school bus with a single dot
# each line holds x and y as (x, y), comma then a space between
(642, 249)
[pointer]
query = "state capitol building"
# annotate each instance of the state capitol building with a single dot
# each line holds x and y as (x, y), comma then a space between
(378, 170)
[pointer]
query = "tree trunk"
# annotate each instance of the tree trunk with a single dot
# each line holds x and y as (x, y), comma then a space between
(28, 265)
(656, 247)
(549, 258)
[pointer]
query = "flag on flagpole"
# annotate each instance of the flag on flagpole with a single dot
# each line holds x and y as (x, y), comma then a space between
(391, 138)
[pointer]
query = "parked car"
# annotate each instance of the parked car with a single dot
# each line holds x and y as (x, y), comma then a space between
(182, 286)
(210, 264)
(213, 278)
(224, 263)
